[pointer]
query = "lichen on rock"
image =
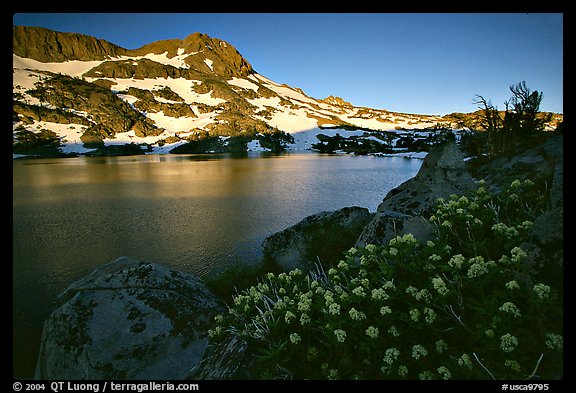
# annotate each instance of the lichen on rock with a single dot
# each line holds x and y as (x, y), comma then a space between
(128, 320)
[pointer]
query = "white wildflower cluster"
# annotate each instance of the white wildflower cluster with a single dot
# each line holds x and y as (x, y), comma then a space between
(356, 315)
(359, 291)
(408, 239)
(465, 361)
(391, 355)
(513, 364)
(426, 375)
(434, 258)
(370, 248)
(508, 342)
(418, 351)
(352, 252)
(389, 286)
(541, 290)
(415, 314)
(515, 184)
(419, 295)
(411, 290)
(526, 225)
(385, 310)
(512, 285)
(444, 372)
(340, 335)
(243, 300)
(289, 316)
(510, 308)
(402, 371)
(441, 346)
(513, 197)
(505, 231)
(456, 261)
(477, 267)
(393, 331)
(554, 341)
(295, 273)
(305, 302)
(517, 254)
(295, 338)
(333, 374)
(304, 319)
(215, 332)
(379, 294)
(440, 286)
(329, 297)
(372, 332)
(343, 266)
(284, 277)
(429, 315)
(334, 309)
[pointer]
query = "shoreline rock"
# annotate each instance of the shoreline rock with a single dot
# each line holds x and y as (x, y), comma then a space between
(442, 173)
(128, 320)
(323, 236)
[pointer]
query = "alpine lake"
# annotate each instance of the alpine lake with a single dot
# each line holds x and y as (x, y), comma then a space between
(195, 213)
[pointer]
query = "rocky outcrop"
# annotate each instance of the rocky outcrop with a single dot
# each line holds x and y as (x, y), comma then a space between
(108, 113)
(323, 236)
(147, 102)
(403, 209)
(139, 69)
(543, 164)
(49, 46)
(332, 100)
(28, 113)
(128, 320)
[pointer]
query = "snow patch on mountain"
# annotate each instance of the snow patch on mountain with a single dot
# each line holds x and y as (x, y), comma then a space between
(176, 61)
(209, 63)
(174, 124)
(243, 83)
(181, 86)
(292, 121)
(72, 68)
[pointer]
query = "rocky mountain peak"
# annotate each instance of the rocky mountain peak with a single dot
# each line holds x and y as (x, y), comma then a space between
(215, 55)
(204, 53)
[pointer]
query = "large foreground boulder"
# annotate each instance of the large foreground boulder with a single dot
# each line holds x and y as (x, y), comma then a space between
(323, 236)
(403, 209)
(128, 320)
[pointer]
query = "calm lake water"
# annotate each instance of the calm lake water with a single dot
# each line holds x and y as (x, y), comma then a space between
(195, 213)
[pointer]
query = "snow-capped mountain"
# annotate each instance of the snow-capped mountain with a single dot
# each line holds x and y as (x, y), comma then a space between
(78, 94)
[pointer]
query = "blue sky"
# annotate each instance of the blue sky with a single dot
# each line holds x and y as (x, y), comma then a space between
(414, 63)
